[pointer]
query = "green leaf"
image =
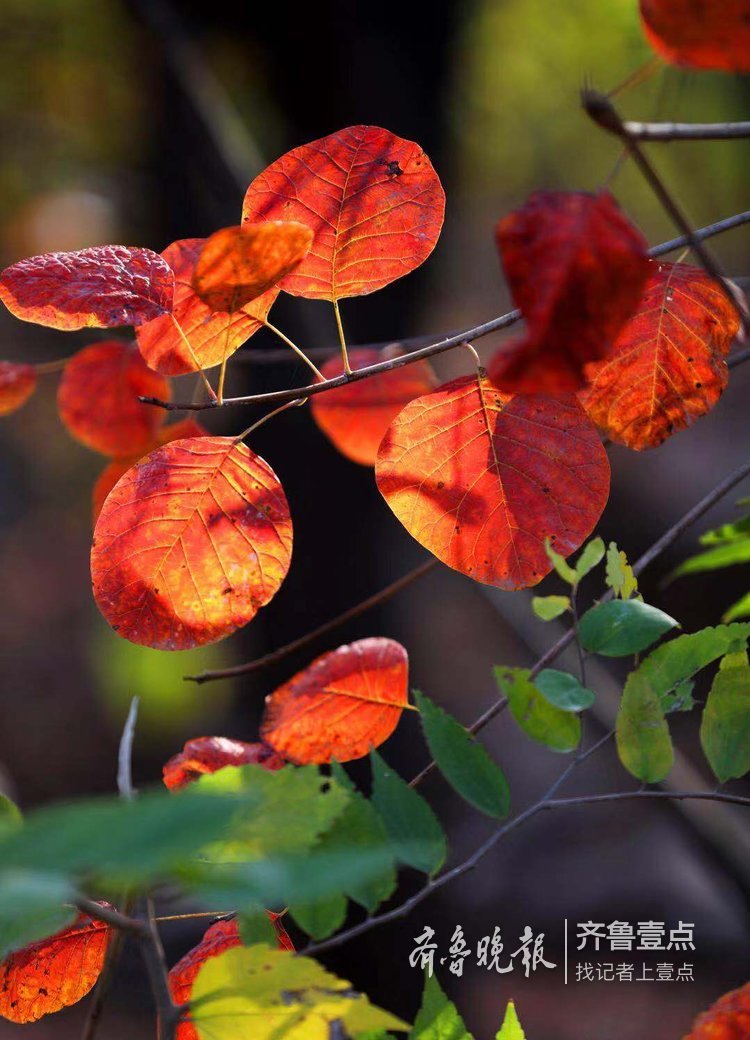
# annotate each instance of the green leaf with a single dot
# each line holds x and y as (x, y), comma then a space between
(737, 610)
(564, 570)
(679, 699)
(32, 907)
(511, 1027)
(463, 762)
(256, 927)
(10, 814)
(412, 826)
(360, 828)
(547, 608)
(725, 725)
(539, 719)
(643, 741)
(269, 994)
(563, 690)
(619, 574)
(322, 917)
(622, 627)
(288, 809)
(591, 555)
(673, 663)
(438, 1018)
(724, 555)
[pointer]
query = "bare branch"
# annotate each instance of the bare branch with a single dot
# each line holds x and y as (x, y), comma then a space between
(686, 131)
(125, 753)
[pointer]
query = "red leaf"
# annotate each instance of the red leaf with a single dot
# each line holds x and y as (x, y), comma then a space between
(356, 416)
(119, 467)
(576, 268)
(53, 973)
(208, 754)
(17, 384)
(727, 1019)
(238, 264)
(98, 399)
(191, 542)
(667, 366)
(340, 706)
(221, 936)
(372, 199)
(101, 287)
(702, 34)
(212, 335)
(481, 478)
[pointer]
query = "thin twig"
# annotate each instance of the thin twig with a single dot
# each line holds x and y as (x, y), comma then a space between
(125, 753)
(310, 637)
(130, 925)
(158, 974)
(685, 131)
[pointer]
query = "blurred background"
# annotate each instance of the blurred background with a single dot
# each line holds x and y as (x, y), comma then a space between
(143, 122)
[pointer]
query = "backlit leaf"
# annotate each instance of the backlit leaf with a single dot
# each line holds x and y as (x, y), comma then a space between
(464, 763)
(17, 384)
(101, 288)
(643, 741)
(560, 564)
(414, 829)
(372, 200)
(547, 608)
(221, 936)
(238, 264)
(481, 478)
(212, 335)
(98, 399)
(191, 542)
(341, 705)
(619, 574)
(725, 723)
(726, 1019)
(263, 994)
(591, 555)
(539, 718)
(728, 554)
(54, 972)
(576, 268)
(438, 1018)
(701, 34)
(622, 627)
(667, 366)
(208, 754)
(563, 690)
(511, 1027)
(355, 417)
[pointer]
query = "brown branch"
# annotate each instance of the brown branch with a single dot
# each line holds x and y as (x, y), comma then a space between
(310, 637)
(156, 966)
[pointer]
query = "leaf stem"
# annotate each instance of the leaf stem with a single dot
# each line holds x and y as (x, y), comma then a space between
(194, 359)
(297, 350)
(269, 415)
(342, 338)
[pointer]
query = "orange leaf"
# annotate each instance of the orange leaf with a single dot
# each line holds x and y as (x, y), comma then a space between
(221, 936)
(340, 706)
(208, 754)
(213, 335)
(119, 467)
(727, 1019)
(576, 268)
(17, 384)
(238, 264)
(356, 416)
(53, 973)
(98, 399)
(191, 542)
(373, 201)
(703, 34)
(667, 367)
(481, 478)
(101, 288)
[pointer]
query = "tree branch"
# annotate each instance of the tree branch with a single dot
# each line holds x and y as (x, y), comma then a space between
(685, 131)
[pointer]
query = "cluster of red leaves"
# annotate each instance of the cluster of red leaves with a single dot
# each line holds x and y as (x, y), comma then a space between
(53, 973)
(727, 1019)
(702, 34)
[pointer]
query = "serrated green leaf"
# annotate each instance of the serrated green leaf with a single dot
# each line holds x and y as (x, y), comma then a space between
(539, 719)
(681, 658)
(511, 1027)
(464, 763)
(547, 608)
(591, 555)
(643, 741)
(619, 574)
(563, 690)
(438, 1018)
(620, 628)
(725, 725)
(322, 917)
(563, 569)
(268, 994)
(32, 906)
(414, 829)
(679, 699)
